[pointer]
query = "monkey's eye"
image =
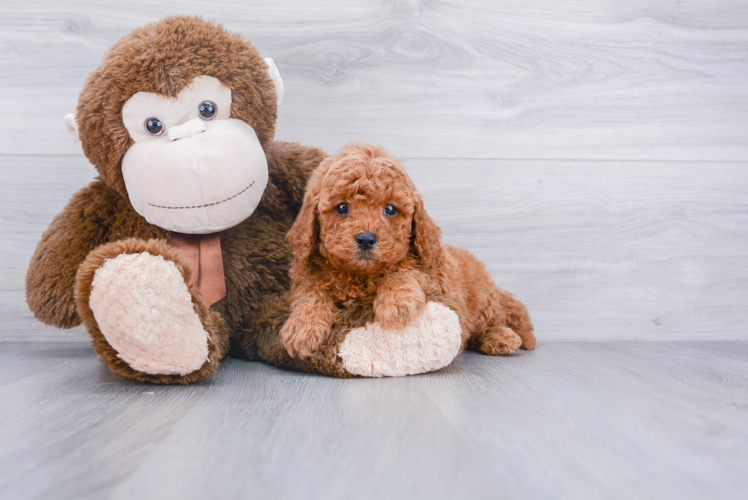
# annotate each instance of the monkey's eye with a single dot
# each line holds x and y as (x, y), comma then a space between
(341, 209)
(154, 126)
(207, 110)
(390, 210)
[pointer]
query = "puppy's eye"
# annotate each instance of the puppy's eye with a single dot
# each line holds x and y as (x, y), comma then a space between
(207, 110)
(154, 126)
(390, 210)
(341, 209)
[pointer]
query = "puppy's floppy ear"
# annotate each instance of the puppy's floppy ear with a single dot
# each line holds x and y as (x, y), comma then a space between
(426, 237)
(304, 234)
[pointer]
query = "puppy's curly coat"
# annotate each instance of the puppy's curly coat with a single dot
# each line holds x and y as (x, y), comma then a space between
(363, 236)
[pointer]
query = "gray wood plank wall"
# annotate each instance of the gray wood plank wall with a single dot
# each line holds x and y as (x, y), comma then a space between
(594, 154)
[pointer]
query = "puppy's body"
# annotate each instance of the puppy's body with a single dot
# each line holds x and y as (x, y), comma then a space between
(492, 320)
(364, 240)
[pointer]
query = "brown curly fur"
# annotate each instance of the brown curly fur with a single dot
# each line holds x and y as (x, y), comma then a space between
(407, 265)
(164, 57)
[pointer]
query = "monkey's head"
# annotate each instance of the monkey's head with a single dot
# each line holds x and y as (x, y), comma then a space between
(177, 118)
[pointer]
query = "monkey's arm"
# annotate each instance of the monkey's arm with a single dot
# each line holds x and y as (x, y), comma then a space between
(290, 165)
(81, 226)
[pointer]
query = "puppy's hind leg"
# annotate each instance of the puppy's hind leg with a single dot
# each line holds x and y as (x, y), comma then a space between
(518, 319)
(495, 341)
(503, 328)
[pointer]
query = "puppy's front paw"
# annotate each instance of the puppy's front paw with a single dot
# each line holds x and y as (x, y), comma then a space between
(301, 337)
(396, 311)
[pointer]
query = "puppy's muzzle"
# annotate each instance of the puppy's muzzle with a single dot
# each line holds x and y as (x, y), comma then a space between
(366, 240)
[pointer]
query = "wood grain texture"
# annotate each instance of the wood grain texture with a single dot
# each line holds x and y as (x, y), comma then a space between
(33, 190)
(604, 250)
(646, 420)
(597, 250)
(641, 79)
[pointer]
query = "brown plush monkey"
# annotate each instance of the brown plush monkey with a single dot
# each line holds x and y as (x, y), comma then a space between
(176, 254)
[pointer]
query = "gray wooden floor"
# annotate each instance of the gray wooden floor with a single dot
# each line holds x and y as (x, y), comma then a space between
(569, 420)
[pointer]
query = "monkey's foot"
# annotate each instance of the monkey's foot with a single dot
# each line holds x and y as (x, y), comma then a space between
(431, 342)
(147, 323)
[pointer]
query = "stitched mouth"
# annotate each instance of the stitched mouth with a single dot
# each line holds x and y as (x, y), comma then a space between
(207, 204)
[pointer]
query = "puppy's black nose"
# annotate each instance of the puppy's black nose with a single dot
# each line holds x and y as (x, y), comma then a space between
(366, 240)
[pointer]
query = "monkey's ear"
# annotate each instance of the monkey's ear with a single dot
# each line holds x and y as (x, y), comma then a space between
(276, 76)
(72, 127)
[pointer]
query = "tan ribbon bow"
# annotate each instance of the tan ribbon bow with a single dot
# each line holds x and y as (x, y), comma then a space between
(203, 253)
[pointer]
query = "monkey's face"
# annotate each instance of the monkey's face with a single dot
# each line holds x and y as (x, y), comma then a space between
(192, 168)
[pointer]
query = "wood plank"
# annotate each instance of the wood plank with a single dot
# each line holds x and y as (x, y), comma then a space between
(569, 420)
(643, 79)
(604, 250)
(33, 190)
(597, 250)
(598, 416)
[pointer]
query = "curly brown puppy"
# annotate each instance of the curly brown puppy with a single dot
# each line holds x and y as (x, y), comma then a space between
(363, 236)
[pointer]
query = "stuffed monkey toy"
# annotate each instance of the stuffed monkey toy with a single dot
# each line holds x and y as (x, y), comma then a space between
(175, 255)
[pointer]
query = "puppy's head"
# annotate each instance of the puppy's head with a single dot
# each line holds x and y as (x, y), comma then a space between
(362, 213)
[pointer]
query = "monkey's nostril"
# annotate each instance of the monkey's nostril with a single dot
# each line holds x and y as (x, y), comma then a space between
(366, 240)
(187, 129)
